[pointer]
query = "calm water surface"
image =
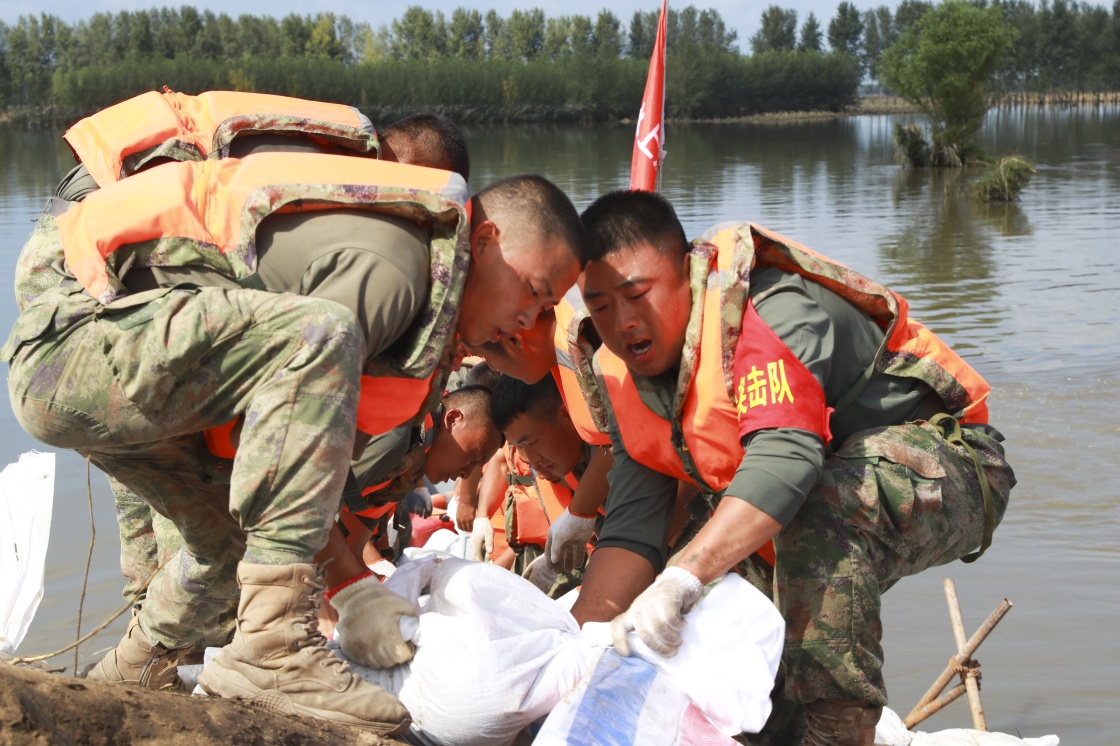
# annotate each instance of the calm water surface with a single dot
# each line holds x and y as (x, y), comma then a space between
(1029, 293)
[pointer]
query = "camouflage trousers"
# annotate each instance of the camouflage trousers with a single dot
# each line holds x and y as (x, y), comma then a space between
(131, 385)
(891, 502)
(150, 542)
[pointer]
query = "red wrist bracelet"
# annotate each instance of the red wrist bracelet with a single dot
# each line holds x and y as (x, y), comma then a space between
(330, 593)
(580, 515)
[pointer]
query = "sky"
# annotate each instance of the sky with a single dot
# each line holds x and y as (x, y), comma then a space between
(737, 14)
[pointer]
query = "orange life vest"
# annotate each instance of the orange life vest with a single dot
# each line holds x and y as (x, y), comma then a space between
(574, 375)
(536, 502)
(207, 213)
(703, 446)
(501, 542)
(118, 141)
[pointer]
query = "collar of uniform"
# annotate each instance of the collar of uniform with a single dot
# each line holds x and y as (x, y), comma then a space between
(429, 428)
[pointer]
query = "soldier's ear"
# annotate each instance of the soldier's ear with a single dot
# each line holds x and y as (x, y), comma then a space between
(562, 413)
(482, 235)
(452, 419)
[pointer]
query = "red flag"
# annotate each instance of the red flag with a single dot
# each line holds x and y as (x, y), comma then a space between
(645, 163)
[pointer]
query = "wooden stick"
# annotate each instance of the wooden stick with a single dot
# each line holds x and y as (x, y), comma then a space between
(71, 646)
(918, 714)
(972, 686)
(85, 577)
(103, 625)
(961, 657)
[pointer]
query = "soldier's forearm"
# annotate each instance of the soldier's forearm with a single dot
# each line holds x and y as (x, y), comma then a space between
(737, 529)
(492, 487)
(592, 490)
(339, 560)
(613, 579)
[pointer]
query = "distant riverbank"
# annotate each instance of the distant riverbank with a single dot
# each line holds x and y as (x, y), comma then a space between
(873, 104)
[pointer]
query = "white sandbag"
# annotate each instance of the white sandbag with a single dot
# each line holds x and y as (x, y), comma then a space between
(891, 732)
(442, 541)
(628, 702)
(730, 648)
(494, 654)
(26, 506)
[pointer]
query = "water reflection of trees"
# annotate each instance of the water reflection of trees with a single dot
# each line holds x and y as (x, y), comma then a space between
(34, 160)
(772, 173)
(942, 258)
(584, 161)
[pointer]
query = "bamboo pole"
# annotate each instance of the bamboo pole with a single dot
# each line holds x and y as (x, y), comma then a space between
(918, 714)
(963, 655)
(85, 576)
(91, 633)
(972, 686)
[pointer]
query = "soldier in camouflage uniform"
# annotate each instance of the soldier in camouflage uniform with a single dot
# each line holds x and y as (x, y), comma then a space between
(535, 419)
(450, 443)
(148, 540)
(868, 458)
(130, 379)
(561, 347)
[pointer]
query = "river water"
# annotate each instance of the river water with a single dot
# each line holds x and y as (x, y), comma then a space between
(1028, 292)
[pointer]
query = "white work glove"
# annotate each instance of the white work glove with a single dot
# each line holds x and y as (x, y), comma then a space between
(566, 545)
(368, 625)
(541, 573)
(482, 539)
(657, 615)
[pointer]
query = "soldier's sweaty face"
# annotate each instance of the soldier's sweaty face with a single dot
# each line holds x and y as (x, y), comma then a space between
(550, 444)
(527, 355)
(513, 277)
(640, 301)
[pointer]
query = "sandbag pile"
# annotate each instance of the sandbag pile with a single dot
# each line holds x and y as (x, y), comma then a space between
(494, 656)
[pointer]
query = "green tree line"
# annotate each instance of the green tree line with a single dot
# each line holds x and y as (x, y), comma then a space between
(483, 65)
(473, 64)
(1060, 45)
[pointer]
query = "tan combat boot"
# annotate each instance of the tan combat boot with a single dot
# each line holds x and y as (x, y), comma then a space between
(137, 660)
(840, 723)
(278, 661)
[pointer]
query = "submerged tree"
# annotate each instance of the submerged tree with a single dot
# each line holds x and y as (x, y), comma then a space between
(1004, 181)
(943, 64)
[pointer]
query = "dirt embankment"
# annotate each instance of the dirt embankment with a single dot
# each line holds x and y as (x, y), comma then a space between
(38, 708)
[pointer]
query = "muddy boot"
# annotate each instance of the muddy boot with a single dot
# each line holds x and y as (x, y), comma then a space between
(136, 660)
(278, 661)
(841, 723)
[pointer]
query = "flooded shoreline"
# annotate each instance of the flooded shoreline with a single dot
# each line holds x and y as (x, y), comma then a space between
(1027, 292)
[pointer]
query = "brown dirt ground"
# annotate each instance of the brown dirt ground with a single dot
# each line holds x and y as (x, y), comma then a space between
(42, 709)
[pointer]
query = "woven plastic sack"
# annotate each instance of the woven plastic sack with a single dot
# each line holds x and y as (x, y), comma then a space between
(26, 507)
(494, 655)
(891, 732)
